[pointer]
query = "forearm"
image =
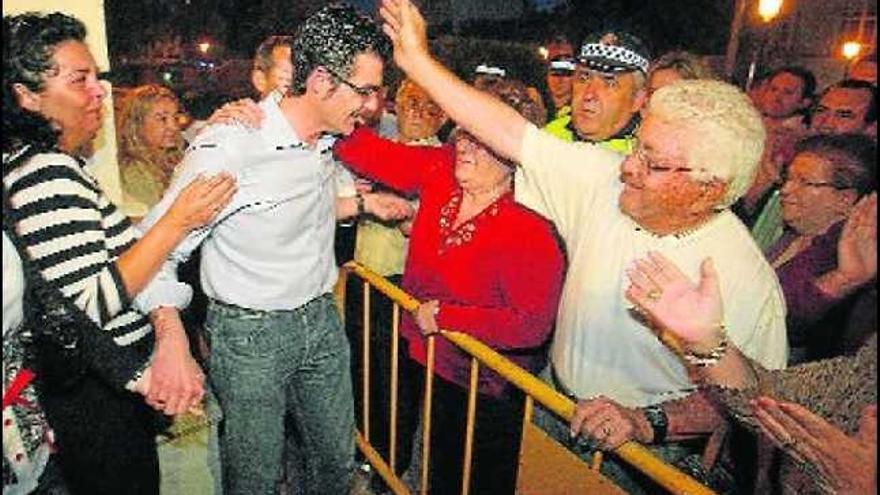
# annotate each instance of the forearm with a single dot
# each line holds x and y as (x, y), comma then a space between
(140, 263)
(491, 121)
(733, 370)
(167, 323)
(835, 285)
(693, 416)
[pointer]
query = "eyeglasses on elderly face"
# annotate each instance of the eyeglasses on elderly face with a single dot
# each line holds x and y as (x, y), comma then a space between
(792, 181)
(655, 166)
(421, 107)
(362, 91)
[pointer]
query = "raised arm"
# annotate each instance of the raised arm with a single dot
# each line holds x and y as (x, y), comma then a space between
(398, 166)
(492, 122)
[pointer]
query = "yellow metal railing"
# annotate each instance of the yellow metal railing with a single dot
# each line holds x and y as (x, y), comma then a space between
(631, 452)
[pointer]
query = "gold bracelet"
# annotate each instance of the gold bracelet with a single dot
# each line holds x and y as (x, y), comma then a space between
(711, 358)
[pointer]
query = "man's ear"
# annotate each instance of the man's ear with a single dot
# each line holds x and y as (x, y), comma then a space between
(640, 99)
(320, 82)
(27, 99)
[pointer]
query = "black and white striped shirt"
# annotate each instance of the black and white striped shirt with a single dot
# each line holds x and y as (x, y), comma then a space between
(74, 234)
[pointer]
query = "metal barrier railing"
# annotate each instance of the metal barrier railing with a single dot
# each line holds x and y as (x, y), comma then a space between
(535, 389)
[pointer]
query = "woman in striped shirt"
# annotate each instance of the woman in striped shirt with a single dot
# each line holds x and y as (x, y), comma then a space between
(87, 252)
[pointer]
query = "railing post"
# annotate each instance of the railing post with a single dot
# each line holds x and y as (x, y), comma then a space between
(426, 413)
(469, 429)
(634, 453)
(366, 362)
(392, 441)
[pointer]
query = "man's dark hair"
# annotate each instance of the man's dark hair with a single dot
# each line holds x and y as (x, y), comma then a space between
(871, 115)
(808, 80)
(29, 42)
(853, 159)
(263, 56)
(332, 37)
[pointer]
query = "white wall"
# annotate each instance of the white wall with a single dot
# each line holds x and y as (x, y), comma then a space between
(90, 12)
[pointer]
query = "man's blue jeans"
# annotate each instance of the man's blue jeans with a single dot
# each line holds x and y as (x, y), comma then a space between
(265, 364)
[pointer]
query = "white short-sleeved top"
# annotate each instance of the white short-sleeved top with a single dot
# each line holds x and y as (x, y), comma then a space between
(600, 346)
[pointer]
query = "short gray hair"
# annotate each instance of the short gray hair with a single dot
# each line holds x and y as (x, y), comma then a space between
(728, 130)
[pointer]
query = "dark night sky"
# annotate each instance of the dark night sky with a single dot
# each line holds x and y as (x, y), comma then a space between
(242, 23)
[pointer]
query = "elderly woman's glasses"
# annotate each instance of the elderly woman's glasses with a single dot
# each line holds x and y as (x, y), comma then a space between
(798, 182)
(427, 108)
(362, 91)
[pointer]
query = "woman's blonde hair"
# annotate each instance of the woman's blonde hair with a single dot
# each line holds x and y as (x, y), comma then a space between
(132, 148)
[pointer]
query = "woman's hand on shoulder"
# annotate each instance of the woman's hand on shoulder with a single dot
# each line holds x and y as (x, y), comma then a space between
(200, 202)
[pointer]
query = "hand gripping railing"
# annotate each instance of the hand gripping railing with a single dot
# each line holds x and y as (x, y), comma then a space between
(631, 452)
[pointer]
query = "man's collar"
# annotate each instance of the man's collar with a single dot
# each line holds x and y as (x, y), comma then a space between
(274, 110)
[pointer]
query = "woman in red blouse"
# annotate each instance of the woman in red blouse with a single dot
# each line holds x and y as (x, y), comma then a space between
(483, 265)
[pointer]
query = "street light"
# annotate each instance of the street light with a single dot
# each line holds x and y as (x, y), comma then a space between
(204, 47)
(543, 52)
(767, 10)
(851, 50)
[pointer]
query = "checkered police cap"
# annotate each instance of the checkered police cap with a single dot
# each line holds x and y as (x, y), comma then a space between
(615, 52)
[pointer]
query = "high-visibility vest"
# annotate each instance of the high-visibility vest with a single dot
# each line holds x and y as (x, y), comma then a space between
(560, 128)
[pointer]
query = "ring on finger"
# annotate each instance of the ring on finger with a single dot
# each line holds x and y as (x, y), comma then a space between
(654, 294)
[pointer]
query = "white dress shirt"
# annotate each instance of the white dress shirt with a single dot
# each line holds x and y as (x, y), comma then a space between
(271, 248)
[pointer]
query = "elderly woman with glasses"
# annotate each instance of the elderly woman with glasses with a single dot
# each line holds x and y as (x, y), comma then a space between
(823, 279)
(92, 353)
(483, 265)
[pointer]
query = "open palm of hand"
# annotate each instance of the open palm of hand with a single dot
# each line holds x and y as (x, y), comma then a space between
(691, 311)
(857, 248)
(406, 27)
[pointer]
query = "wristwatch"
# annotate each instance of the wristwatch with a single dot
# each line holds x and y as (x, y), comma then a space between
(656, 417)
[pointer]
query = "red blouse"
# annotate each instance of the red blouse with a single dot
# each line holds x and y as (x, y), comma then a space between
(497, 276)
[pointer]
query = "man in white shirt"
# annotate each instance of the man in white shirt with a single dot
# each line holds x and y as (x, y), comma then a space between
(699, 145)
(267, 265)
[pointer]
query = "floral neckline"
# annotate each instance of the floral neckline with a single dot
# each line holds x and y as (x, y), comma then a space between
(451, 236)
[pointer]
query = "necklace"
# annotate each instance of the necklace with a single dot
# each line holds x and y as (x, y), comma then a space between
(681, 234)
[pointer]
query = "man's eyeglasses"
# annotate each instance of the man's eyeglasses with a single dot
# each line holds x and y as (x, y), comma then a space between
(362, 91)
(654, 167)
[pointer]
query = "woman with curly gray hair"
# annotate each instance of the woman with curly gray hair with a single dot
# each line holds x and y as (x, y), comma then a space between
(92, 354)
